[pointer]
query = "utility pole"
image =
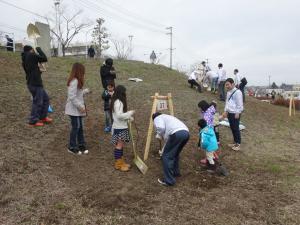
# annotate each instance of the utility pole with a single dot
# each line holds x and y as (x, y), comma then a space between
(130, 44)
(269, 81)
(57, 20)
(171, 44)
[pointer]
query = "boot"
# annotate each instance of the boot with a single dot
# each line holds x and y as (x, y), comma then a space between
(124, 163)
(119, 165)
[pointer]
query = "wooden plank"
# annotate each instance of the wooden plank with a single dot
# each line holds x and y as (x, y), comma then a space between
(150, 129)
(160, 97)
(170, 101)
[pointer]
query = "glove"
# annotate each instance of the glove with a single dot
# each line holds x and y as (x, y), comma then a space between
(131, 119)
(158, 137)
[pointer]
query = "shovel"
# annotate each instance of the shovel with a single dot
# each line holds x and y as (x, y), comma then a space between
(137, 160)
(34, 33)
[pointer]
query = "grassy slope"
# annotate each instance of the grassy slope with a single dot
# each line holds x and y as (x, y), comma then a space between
(38, 184)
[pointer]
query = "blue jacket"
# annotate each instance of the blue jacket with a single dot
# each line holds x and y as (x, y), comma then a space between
(208, 139)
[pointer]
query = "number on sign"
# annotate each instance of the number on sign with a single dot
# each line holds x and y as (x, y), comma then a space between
(162, 105)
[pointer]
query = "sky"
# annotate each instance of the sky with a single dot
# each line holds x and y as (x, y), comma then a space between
(258, 37)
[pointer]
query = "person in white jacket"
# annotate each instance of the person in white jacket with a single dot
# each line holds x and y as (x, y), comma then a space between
(75, 108)
(221, 81)
(120, 133)
(175, 134)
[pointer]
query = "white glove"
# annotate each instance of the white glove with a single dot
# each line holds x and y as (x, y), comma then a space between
(131, 119)
(158, 137)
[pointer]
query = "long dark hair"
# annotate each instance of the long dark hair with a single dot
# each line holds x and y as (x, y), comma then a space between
(119, 94)
(77, 72)
(203, 105)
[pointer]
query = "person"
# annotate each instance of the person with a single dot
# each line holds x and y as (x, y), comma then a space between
(91, 52)
(207, 112)
(240, 82)
(107, 72)
(192, 80)
(233, 110)
(216, 122)
(9, 44)
(120, 132)
(221, 81)
(175, 135)
(76, 110)
(153, 57)
(213, 77)
(106, 96)
(208, 143)
(40, 99)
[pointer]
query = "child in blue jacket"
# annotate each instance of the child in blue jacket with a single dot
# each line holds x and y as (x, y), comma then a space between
(208, 142)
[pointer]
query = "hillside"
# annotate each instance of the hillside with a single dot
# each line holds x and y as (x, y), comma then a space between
(41, 183)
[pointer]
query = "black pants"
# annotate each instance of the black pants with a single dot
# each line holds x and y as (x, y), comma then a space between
(221, 90)
(242, 88)
(193, 82)
(235, 127)
(40, 104)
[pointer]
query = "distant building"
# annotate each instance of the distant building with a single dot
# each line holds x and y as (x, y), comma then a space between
(276, 90)
(296, 87)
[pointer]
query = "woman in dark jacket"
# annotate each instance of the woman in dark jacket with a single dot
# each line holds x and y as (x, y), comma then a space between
(107, 72)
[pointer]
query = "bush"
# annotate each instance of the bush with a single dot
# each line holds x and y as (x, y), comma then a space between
(286, 103)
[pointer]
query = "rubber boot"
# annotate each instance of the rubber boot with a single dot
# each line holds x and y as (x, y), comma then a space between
(119, 165)
(124, 163)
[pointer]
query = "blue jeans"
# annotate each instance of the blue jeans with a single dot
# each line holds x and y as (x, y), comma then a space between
(76, 134)
(214, 84)
(170, 157)
(40, 104)
(108, 121)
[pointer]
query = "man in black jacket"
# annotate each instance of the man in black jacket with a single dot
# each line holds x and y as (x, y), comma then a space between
(40, 99)
(107, 73)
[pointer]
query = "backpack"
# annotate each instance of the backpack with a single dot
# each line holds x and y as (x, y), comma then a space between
(244, 81)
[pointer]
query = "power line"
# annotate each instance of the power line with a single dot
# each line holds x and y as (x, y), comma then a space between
(129, 13)
(25, 10)
(96, 8)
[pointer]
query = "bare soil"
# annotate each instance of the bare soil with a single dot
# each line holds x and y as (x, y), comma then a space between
(41, 183)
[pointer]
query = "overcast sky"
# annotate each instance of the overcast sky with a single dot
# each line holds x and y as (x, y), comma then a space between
(259, 37)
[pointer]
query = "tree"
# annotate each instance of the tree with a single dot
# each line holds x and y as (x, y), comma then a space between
(274, 86)
(67, 27)
(122, 48)
(100, 36)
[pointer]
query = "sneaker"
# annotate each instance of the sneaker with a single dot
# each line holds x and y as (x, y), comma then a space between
(203, 161)
(236, 147)
(107, 129)
(74, 151)
(47, 120)
(231, 145)
(37, 124)
(162, 182)
(83, 150)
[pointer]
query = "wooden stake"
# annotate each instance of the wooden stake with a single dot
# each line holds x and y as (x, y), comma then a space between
(150, 129)
(170, 102)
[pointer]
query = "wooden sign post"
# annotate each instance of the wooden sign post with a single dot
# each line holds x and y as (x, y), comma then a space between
(292, 106)
(159, 103)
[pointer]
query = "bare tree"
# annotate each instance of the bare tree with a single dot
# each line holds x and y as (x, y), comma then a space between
(122, 48)
(67, 28)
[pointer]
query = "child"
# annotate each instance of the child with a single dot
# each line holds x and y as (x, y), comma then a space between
(106, 96)
(208, 143)
(120, 127)
(216, 121)
(107, 72)
(75, 108)
(207, 112)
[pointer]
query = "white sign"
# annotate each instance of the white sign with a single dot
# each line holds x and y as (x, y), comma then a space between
(162, 105)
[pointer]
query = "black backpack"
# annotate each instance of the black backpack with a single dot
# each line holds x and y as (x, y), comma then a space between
(244, 81)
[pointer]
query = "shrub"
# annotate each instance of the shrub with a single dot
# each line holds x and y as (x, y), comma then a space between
(286, 103)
